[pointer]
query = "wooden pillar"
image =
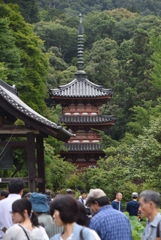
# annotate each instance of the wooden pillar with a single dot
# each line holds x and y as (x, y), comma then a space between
(41, 163)
(31, 162)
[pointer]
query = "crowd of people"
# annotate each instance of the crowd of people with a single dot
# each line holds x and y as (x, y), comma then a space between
(36, 216)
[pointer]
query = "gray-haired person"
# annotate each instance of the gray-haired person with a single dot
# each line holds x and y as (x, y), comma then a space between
(149, 208)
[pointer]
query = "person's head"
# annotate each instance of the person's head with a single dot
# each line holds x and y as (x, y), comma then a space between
(27, 195)
(55, 194)
(97, 199)
(16, 185)
(47, 192)
(81, 219)
(21, 210)
(149, 203)
(39, 202)
(134, 195)
(83, 194)
(64, 209)
(118, 196)
(69, 191)
(3, 194)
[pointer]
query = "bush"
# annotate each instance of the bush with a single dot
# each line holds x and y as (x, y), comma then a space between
(136, 226)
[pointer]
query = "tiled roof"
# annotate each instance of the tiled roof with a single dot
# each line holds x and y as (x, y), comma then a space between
(83, 147)
(86, 118)
(10, 94)
(80, 88)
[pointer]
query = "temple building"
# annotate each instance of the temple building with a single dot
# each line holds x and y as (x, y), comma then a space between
(81, 100)
(29, 135)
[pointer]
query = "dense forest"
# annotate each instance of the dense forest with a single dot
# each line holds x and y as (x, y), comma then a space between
(38, 51)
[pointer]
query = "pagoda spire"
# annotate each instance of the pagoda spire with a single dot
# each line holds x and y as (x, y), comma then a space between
(80, 49)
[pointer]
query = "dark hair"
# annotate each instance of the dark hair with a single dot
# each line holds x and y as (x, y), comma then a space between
(4, 193)
(83, 191)
(23, 204)
(15, 185)
(102, 201)
(69, 191)
(81, 219)
(134, 197)
(67, 207)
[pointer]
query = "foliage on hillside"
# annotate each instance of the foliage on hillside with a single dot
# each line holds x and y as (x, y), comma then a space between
(123, 52)
(28, 9)
(74, 7)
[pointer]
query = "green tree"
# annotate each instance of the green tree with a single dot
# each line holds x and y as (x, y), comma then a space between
(156, 73)
(57, 171)
(134, 75)
(124, 29)
(9, 53)
(28, 9)
(56, 35)
(33, 61)
(51, 14)
(97, 25)
(102, 63)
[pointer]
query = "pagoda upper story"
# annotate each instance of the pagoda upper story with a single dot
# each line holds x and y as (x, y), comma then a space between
(80, 89)
(81, 100)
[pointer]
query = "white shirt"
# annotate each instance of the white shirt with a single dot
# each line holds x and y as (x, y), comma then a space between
(5, 212)
(16, 233)
(69, 238)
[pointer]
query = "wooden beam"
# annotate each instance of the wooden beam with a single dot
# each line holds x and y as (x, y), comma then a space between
(40, 162)
(31, 162)
(15, 145)
(25, 179)
(17, 130)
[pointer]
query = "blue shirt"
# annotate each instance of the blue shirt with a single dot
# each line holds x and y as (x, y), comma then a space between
(86, 233)
(111, 224)
(132, 208)
(151, 228)
(115, 205)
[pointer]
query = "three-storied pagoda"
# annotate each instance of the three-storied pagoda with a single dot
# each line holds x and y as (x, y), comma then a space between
(81, 101)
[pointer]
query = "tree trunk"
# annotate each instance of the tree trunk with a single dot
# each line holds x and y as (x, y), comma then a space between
(49, 4)
(54, 3)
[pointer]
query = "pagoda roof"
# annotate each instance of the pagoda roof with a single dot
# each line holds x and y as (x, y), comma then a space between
(11, 102)
(83, 147)
(86, 119)
(82, 88)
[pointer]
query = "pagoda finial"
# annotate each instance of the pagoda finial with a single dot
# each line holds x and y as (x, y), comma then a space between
(80, 48)
(80, 31)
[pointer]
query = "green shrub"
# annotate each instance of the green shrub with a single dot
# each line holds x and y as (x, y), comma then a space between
(136, 226)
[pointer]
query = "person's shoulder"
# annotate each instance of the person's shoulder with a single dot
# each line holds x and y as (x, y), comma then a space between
(98, 218)
(77, 226)
(96, 237)
(113, 202)
(159, 217)
(4, 201)
(41, 228)
(55, 237)
(87, 233)
(14, 228)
